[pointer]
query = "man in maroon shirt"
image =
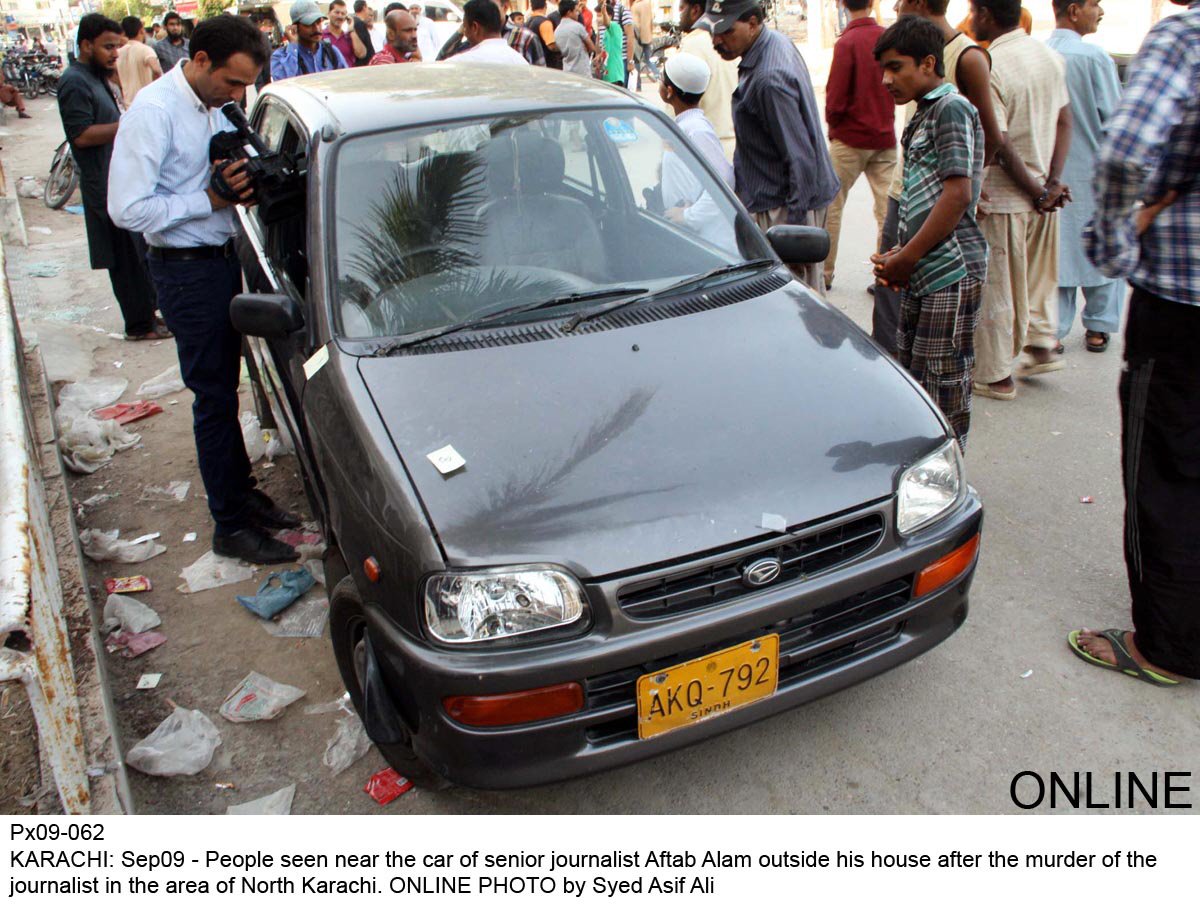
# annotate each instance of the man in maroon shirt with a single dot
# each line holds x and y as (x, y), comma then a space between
(862, 120)
(343, 40)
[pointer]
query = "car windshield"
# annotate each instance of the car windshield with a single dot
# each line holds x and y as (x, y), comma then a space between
(447, 224)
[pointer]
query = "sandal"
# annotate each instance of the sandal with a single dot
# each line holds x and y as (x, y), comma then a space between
(158, 332)
(1095, 335)
(1125, 662)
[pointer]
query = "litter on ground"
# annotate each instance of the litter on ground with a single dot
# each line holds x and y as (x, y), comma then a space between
(127, 585)
(101, 546)
(277, 592)
(277, 803)
(348, 744)
(128, 615)
(92, 393)
(175, 490)
(184, 743)
(341, 703)
(303, 620)
(43, 269)
(258, 697)
(212, 571)
(124, 413)
(161, 384)
(189, 537)
(387, 786)
(149, 680)
(133, 644)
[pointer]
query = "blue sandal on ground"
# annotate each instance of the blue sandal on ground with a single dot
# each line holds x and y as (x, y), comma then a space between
(1125, 662)
(274, 599)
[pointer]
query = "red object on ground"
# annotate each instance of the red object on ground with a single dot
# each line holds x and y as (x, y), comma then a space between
(124, 413)
(387, 786)
(132, 644)
(1088, 499)
(127, 585)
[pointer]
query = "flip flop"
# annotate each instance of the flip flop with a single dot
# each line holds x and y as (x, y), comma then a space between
(987, 390)
(1125, 662)
(1097, 347)
(1028, 366)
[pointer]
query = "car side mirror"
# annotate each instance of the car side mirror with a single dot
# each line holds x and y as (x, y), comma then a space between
(272, 316)
(799, 244)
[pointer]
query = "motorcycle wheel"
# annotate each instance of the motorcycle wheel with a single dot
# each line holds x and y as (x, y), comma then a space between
(63, 179)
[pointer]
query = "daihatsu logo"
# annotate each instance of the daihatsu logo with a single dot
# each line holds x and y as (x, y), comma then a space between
(761, 572)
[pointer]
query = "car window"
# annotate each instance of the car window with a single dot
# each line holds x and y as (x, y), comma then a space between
(444, 224)
(271, 123)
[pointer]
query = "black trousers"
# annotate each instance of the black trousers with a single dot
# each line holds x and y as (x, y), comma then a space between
(1160, 457)
(885, 319)
(131, 281)
(194, 297)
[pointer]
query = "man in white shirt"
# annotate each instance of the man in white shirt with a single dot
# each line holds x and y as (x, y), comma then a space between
(482, 24)
(427, 42)
(717, 102)
(685, 79)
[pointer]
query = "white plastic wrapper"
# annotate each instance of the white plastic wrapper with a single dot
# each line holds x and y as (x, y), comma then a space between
(101, 546)
(341, 703)
(175, 490)
(184, 743)
(93, 393)
(252, 436)
(161, 384)
(212, 571)
(86, 443)
(129, 615)
(349, 743)
(258, 697)
(277, 803)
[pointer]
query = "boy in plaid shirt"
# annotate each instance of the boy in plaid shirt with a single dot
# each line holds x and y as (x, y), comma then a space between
(941, 261)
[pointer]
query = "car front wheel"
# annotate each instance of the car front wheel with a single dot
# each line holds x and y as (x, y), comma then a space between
(348, 631)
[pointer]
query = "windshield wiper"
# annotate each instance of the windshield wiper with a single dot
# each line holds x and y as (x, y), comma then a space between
(423, 336)
(686, 283)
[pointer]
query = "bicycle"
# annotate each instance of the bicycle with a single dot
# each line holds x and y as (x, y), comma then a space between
(63, 179)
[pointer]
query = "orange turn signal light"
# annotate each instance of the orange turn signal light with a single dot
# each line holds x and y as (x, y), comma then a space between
(371, 569)
(942, 572)
(515, 707)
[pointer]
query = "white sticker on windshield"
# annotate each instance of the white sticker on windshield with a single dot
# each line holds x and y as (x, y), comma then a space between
(446, 460)
(316, 362)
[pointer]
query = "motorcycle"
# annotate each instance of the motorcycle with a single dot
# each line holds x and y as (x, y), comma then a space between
(49, 74)
(670, 37)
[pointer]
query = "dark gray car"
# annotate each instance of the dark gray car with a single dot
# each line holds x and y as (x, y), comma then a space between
(599, 478)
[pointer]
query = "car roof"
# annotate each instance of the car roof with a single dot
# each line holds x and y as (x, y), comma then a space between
(370, 98)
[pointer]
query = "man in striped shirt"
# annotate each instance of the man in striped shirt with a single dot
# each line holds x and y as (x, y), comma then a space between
(783, 170)
(942, 259)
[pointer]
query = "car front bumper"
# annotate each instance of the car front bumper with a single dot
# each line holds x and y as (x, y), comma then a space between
(870, 623)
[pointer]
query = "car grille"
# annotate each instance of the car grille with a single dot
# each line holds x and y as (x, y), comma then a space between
(797, 636)
(814, 553)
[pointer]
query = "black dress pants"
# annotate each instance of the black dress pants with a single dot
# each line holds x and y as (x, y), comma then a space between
(1160, 456)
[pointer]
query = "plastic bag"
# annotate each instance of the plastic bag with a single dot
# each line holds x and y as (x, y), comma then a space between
(168, 381)
(94, 393)
(129, 615)
(303, 620)
(277, 803)
(341, 703)
(252, 436)
(212, 571)
(349, 743)
(30, 187)
(175, 490)
(258, 697)
(184, 743)
(100, 546)
(88, 444)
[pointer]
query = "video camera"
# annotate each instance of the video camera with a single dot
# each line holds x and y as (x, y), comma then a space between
(277, 181)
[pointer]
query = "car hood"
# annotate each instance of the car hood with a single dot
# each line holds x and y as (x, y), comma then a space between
(613, 450)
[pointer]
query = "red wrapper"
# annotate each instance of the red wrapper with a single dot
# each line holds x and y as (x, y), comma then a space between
(127, 585)
(387, 786)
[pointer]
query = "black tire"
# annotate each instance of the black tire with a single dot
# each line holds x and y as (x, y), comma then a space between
(63, 179)
(346, 627)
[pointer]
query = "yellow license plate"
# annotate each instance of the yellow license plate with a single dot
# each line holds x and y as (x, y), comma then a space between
(707, 686)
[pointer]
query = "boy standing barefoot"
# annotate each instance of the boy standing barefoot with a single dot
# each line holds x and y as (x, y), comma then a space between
(941, 261)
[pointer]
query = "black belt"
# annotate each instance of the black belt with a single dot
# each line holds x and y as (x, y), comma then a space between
(197, 253)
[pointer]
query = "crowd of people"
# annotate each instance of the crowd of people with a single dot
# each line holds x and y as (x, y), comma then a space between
(1023, 177)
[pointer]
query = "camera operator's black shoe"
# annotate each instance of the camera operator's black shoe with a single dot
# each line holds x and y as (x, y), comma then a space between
(254, 546)
(261, 511)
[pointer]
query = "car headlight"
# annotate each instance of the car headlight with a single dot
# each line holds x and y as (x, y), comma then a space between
(929, 488)
(461, 608)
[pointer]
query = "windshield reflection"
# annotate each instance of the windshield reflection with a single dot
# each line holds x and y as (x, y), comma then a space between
(476, 219)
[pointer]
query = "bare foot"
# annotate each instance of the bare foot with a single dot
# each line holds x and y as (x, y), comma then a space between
(1005, 386)
(1100, 648)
